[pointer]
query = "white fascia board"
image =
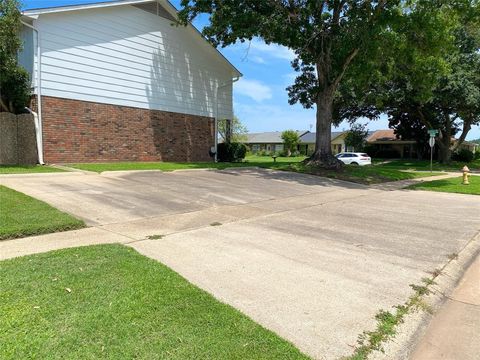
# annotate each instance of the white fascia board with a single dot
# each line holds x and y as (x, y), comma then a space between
(57, 9)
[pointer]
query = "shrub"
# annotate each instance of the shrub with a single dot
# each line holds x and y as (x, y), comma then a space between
(14, 80)
(231, 152)
(463, 155)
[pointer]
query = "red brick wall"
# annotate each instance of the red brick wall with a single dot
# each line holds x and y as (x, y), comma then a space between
(79, 131)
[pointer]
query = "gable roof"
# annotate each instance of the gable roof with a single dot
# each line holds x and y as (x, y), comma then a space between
(272, 137)
(167, 9)
(310, 137)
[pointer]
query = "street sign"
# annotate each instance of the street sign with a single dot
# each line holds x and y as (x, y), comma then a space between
(431, 142)
(432, 132)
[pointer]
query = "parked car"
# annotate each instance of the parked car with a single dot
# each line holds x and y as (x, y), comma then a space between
(350, 158)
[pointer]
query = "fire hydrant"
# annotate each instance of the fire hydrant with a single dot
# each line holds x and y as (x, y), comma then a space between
(466, 174)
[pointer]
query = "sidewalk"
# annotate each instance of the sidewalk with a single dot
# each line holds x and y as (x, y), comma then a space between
(454, 332)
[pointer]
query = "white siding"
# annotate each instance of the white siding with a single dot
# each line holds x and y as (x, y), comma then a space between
(126, 56)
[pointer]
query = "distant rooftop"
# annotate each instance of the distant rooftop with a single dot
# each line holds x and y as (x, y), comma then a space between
(271, 137)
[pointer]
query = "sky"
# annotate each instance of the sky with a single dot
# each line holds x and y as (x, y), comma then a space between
(260, 98)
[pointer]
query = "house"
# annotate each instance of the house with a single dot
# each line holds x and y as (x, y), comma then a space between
(307, 142)
(118, 81)
(267, 141)
(272, 142)
(386, 142)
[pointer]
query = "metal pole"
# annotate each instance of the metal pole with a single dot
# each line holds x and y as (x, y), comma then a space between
(431, 159)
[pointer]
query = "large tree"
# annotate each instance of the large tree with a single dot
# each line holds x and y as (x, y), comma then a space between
(431, 77)
(14, 80)
(326, 36)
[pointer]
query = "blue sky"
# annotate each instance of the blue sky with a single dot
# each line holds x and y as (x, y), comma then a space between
(260, 98)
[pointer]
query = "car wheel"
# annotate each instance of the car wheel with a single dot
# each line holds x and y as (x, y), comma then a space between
(354, 163)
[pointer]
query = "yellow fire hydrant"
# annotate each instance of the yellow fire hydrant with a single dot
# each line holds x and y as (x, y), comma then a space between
(466, 174)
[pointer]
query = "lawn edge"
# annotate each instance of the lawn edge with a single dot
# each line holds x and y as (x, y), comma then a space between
(415, 323)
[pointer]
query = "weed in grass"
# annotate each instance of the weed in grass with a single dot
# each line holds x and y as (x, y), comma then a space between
(387, 322)
(452, 256)
(155, 237)
(216, 223)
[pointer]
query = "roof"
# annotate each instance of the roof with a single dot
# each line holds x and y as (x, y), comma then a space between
(271, 137)
(310, 137)
(168, 6)
(382, 135)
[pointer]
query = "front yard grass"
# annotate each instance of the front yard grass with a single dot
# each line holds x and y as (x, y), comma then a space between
(109, 302)
(26, 169)
(359, 174)
(452, 185)
(22, 215)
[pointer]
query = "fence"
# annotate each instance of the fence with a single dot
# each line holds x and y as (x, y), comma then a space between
(18, 145)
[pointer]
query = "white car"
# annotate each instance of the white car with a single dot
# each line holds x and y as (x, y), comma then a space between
(351, 158)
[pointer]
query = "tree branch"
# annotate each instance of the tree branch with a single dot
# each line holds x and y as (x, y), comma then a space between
(345, 65)
(3, 105)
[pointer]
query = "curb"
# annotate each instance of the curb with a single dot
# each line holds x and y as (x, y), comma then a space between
(413, 328)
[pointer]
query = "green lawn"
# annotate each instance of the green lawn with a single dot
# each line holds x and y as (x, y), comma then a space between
(21, 215)
(364, 175)
(452, 185)
(25, 169)
(424, 165)
(109, 302)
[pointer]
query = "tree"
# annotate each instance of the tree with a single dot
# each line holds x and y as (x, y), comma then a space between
(290, 141)
(238, 131)
(14, 80)
(326, 36)
(430, 77)
(357, 136)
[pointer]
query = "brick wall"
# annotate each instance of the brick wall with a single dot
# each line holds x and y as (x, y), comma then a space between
(79, 131)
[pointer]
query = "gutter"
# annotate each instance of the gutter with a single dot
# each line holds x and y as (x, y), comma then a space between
(38, 134)
(234, 80)
(38, 83)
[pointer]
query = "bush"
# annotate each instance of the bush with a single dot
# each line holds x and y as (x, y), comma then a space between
(463, 155)
(231, 152)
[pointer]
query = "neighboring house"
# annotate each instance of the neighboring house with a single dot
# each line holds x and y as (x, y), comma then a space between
(267, 141)
(470, 146)
(118, 81)
(386, 140)
(307, 142)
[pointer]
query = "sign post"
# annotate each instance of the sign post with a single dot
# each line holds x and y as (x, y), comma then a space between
(431, 142)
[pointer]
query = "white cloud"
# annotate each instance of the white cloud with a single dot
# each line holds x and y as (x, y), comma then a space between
(257, 59)
(274, 50)
(261, 117)
(254, 89)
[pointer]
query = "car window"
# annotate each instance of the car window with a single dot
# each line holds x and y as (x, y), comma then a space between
(364, 155)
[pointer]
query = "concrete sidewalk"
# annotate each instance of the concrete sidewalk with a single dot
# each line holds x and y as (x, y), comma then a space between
(454, 332)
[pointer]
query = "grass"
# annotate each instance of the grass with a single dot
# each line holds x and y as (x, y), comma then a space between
(22, 216)
(388, 322)
(452, 185)
(424, 165)
(26, 169)
(109, 302)
(364, 175)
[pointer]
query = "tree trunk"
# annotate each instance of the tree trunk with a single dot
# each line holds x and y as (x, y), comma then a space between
(444, 144)
(323, 156)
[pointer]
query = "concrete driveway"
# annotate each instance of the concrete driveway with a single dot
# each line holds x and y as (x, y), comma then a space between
(312, 259)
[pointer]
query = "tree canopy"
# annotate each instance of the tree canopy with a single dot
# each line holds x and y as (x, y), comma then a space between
(431, 78)
(14, 80)
(291, 139)
(326, 36)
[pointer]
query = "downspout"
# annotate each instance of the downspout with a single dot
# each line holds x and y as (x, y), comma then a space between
(235, 79)
(38, 117)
